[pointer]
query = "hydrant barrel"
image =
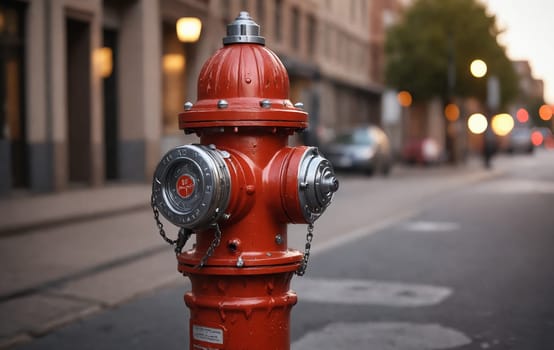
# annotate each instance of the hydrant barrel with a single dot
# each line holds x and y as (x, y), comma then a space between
(237, 190)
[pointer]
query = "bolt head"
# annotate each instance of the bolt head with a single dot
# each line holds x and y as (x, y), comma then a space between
(299, 105)
(240, 262)
(188, 106)
(222, 104)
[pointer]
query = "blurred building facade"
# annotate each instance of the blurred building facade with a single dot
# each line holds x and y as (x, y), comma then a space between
(91, 89)
(530, 88)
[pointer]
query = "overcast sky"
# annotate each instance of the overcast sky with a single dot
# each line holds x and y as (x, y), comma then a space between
(529, 35)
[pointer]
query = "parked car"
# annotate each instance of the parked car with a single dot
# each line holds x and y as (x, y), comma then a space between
(424, 151)
(364, 148)
(519, 140)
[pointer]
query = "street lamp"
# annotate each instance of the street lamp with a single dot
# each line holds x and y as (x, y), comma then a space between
(546, 112)
(477, 123)
(103, 60)
(404, 99)
(188, 29)
(478, 69)
(502, 124)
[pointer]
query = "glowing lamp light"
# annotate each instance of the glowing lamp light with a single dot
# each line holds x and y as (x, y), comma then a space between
(103, 60)
(545, 112)
(2, 21)
(478, 68)
(173, 63)
(477, 123)
(188, 29)
(522, 115)
(502, 124)
(536, 138)
(404, 98)
(452, 112)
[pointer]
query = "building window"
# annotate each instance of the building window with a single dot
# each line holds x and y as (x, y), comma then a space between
(295, 32)
(260, 11)
(278, 19)
(226, 10)
(311, 36)
(174, 78)
(363, 11)
(244, 5)
(12, 88)
(326, 40)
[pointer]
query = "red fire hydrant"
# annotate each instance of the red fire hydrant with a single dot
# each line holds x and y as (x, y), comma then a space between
(237, 190)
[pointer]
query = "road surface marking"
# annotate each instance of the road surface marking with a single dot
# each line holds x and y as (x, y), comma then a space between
(382, 336)
(431, 226)
(521, 186)
(368, 292)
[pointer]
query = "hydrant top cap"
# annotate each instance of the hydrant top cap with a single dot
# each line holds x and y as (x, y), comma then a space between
(243, 30)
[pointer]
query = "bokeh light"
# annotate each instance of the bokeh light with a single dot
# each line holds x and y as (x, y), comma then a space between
(477, 123)
(536, 138)
(545, 112)
(188, 29)
(404, 98)
(173, 63)
(103, 60)
(478, 68)
(452, 112)
(502, 124)
(522, 115)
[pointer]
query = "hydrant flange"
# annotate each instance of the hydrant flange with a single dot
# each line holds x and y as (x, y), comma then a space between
(192, 186)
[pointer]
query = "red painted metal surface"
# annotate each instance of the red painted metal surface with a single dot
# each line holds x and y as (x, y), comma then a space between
(244, 289)
(243, 75)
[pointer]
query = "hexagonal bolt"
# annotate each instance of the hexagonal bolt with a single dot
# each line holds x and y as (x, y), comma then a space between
(265, 103)
(299, 105)
(188, 106)
(222, 104)
(240, 262)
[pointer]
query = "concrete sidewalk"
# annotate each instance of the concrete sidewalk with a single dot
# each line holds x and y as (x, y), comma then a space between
(25, 212)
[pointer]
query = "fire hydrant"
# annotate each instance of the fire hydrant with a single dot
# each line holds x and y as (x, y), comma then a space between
(236, 191)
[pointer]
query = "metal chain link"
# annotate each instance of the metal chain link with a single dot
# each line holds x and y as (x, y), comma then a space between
(159, 223)
(309, 237)
(215, 243)
(182, 237)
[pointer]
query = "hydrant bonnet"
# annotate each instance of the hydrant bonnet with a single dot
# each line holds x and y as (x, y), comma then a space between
(243, 30)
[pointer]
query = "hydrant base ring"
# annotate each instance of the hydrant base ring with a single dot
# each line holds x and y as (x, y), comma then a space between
(254, 263)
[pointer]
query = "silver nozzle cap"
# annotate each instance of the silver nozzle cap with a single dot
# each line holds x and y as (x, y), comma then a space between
(243, 30)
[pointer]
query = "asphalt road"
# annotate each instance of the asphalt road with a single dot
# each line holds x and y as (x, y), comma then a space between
(471, 267)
